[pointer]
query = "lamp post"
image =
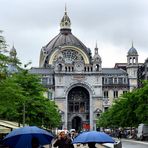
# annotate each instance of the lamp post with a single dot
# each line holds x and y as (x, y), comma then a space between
(24, 107)
(24, 116)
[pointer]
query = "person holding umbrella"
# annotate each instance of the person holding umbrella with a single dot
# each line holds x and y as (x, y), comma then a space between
(92, 138)
(35, 143)
(91, 144)
(63, 141)
(28, 137)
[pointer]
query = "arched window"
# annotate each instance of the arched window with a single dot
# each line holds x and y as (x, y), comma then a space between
(130, 60)
(97, 67)
(134, 60)
(91, 68)
(60, 67)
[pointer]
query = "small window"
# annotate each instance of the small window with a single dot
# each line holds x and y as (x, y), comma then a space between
(124, 92)
(97, 115)
(105, 94)
(124, 80)
(76, 107)
(115, 80)
(49, 95)
(110, 80)
(120, 80)
(105, 80)
(115, 94)
(97, 67)
(60, 67)
(44, 80)
(91, 69)
(130, 60)
(105, 109)
(134, 60)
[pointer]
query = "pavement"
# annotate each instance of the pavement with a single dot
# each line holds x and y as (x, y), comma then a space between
(135, 141)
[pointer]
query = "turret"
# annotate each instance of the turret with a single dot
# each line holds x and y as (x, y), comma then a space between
(65, 24)
(132, 56)
(12, 67)
(132, 67)
(13, 52)
(97, 62)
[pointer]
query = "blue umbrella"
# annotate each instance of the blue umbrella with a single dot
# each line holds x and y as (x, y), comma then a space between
(93, 136)
(22, 137)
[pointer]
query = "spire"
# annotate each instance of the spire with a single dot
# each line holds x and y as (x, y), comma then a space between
(96, 49)
(65, 9)
(132, 44)
(65, 22)
(96, 45)
(96, 58)
(13, 52)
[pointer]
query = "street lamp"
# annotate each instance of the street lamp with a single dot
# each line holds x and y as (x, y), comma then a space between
(24, 107)
(24, 116)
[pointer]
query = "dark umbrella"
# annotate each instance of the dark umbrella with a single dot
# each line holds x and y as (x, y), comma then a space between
(22, 137)
(93, 136)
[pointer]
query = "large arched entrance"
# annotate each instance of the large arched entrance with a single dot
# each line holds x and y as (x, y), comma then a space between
(78, 108)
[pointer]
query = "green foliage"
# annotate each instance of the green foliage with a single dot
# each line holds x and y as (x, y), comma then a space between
(129, 110)
(21, 89)
(141, 96)
(3, 44)
(5, 60)
(24, 88)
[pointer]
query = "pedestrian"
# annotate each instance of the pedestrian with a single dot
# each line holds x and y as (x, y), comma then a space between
(119, 134)
(63, 141)
(73, 134)
(35, 143)
(91, 144)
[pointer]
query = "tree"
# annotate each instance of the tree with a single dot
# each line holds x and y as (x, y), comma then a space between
(24, 88)
(3, 58)
(3, 45)
(22, 94)
(10, 94)
(141, 95)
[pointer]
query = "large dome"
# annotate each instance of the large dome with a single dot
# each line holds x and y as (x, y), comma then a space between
(64, 38)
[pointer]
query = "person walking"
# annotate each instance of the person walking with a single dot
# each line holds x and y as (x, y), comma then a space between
(91, 144)
(35, 143)
(72, 134)
(63, 141)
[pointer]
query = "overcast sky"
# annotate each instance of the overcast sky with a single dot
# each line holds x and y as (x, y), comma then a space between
(114, 24)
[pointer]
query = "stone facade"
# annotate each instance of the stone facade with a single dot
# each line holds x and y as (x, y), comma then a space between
(76, 81)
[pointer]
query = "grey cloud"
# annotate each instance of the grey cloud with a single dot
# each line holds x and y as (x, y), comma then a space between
(31, 24)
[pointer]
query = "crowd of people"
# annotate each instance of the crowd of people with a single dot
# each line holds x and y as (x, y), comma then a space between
(63, 139)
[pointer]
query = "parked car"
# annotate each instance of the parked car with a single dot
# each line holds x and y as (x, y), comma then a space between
(142, 132)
